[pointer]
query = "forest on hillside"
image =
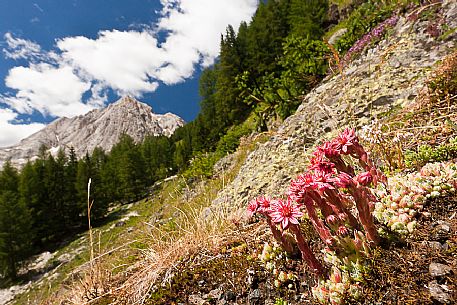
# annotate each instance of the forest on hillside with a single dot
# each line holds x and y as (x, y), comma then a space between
(263, 70)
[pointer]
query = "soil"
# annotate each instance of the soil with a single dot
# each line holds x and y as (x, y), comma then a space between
(400, 272)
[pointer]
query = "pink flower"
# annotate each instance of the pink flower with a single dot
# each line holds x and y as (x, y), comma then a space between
(332, 220)
(260, 204)
(285, 213)
(344, 180)
(322, 181)
(345, 141)
(299, 187)
(364, 178)
(324, 166)
(264, 204)
(253, 206)
(342, 231)
(329, 149)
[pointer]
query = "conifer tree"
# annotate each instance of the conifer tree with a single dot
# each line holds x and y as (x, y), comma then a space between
(15, 224)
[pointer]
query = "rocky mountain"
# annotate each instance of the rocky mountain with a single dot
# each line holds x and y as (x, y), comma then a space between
(98, 128)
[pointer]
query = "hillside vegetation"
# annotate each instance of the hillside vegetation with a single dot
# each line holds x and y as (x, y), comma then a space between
(342, 217)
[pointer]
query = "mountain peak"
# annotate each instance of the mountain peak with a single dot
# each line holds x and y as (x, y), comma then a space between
(130, 102)
(101, 128)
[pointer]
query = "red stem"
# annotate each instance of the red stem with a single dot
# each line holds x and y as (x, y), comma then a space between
(281, 239)
(307, 254)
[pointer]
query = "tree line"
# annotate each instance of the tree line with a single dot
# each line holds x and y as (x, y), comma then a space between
(262, 71)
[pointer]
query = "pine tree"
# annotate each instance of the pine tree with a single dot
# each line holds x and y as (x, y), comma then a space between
(15, 224)
(307, 18)
(71, 208)
(130, 168)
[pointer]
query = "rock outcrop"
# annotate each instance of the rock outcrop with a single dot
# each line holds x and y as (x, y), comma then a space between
(98, 128)
(391, 74)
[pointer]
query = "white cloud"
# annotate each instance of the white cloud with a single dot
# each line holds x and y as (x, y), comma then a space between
(123, 61)
(13, 133)
(131, 62)
(50, 90)
(21, 48)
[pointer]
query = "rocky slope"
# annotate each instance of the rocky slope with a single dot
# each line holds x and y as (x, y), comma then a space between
(391, 74)
(98, 128)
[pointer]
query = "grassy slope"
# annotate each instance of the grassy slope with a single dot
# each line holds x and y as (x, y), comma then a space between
(120, 247)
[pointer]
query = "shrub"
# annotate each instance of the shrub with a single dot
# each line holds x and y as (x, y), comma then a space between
(361, 21)
(201, 165)
(427, 153)
(231, 140)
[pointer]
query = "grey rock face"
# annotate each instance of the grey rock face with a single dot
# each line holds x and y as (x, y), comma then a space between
(98, 128)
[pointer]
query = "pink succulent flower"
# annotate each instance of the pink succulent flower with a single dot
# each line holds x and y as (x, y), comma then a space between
(332, 220)
(342, 231)
(253, 206)
(264, 204)
(285, 212)
(345, 141)
(344, 181)
(329, 149)
(324, 166)
(364, 178)
(299, 187)
(322, 181)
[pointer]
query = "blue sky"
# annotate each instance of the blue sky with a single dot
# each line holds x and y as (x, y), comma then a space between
(67, 57)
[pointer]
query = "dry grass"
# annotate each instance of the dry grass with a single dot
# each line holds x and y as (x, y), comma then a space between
(194, 234)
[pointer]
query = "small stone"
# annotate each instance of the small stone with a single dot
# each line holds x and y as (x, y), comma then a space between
(230, 296)
(252, 279)
(432, 245)
(254, 296)
(441, 231)
(438, 293)
(120, 223)
(214, 294)
(439, 270)
(196, 299)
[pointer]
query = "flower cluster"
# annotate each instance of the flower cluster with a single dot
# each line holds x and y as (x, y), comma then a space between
(331, 188)
(368, 38)
(336, 289)
(407, 194)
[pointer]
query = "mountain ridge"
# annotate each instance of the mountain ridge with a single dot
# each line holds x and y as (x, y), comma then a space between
(97, 128)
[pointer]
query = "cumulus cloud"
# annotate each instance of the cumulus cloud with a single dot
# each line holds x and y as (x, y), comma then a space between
(128, 62)
(131, 62)
(55, 91)
(122, 61)
(12, 132)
